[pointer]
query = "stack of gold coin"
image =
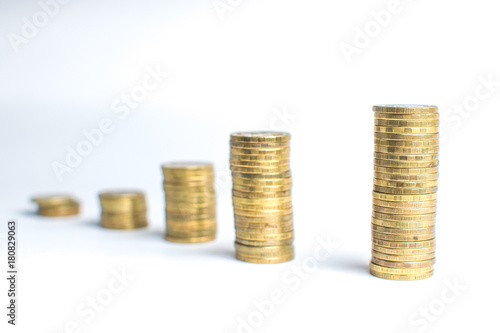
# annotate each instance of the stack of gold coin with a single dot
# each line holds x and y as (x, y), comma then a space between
(123, 210)
(57, 205)
(262, 200)
(404, 191)
(190, 202)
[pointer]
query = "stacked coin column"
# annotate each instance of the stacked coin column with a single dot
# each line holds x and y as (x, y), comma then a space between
(123, 210)
(404, 191)
(58, 205)
(262, 199)
(190, 202)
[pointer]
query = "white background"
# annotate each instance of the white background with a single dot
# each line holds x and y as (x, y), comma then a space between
(230, 73)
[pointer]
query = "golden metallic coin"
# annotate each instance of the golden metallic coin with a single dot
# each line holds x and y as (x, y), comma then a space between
(259, 164)
(262, 182)
(264, 145)
(403, 251)
(402, 238)
(406, 137)
(405, 205)
(410, 178)
(260, 157)
(264, 260)
(405, 109)
(243, 194)
(266, 231)
(259, 236)
(404, 198)
(404, 171)
(271, 189)
(54, 200)
(403, 224)
(404, 245)
(404, 265)
(201, 239)
(404, 211)
(406, 130)
(402, 271)
(407, 150)
(405, 164)
(60, 211)
(404, 218)
(405, 184)
(248, 242)
(407, 117)
(408, 158)
(261, 136)
(260, 170)
(400, 277)
(263, 213)
(404, 258)
(411, 143)
(272, 251)
(260, 151)
(406, 123)
(285, 174)
(266, 219)
(404, 191)
(262, 207)
(262, 201)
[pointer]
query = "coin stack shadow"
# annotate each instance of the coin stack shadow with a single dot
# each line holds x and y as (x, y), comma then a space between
(262, 198)
(57, 205)
(190, 202)
(404, 191)
(123, 210)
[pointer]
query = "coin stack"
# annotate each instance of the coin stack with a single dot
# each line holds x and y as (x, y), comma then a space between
(57, 205)
(262, 201)
(404, 191)
(190, 202)
(123, 210)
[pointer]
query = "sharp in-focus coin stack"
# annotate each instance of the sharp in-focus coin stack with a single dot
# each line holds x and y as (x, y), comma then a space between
(262, 200)
(190, 202)
(57, 205)
(123, 210)
(404, 191)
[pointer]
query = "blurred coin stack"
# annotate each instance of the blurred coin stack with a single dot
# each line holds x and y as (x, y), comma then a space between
(262, 198)
(190, 202)
(57, 205)
(123, 210)
(404, 191)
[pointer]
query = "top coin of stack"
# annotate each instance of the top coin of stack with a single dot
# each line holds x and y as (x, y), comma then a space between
(57, 205)
(404, 191)
(190, 202)
(123, 210)
(262, 199)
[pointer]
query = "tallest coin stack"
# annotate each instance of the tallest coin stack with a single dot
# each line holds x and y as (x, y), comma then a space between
(404, 191)
(262, 200)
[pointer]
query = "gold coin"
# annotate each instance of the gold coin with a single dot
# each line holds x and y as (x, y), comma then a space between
(54, 200)
(270, 230)
(407, 130)
(260, 157)
(263, 213)
(281, 242)
(407, 117)
(272, 251)
(273, 176)
(411, 143)
(201, 239)
(243, 194)
(404, 211)
(407, 150)
(262, 207)
(405, 218)
(263, 182)
(259, 145)
(272, 189)
(262, 201)
(409, 158)
(400, 277)
(402, 238)
(405, 205)
(407, 258)
(267, 219)
(258, 236)
(405, 198)
(259, 164)
(403, 224)
(406, 137)
(265, 260)
(410, 178)
(404, 245)
(403, 251)
(406, 123)
(403, 171)
(404, 265)
(405, 109)
(260, 151)
(405, 164)
(261, 136)
(260, 170)
(404, 191)
(60, 212)
(402, 271)
(405, 184)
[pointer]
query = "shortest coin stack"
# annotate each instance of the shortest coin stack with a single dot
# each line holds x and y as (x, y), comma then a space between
(123, 210)
(190, 202)
(57, 205)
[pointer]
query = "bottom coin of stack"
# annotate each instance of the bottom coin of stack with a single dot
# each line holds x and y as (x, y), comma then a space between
(57, 205)
(123, 210)
(404, 195)
(190, 202)
(262, 199)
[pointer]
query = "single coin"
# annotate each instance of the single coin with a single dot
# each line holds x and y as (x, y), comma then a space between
(404, 198)
(405, 218)
(268, 231)
(412, 143)
(263, 182)
(404, 245)
(409, 158)
(266, 219)
(261, 136)
(403, 224)
(403, 264)
(406, 171)
(404, 191)
(273, 251)
(272, 189)
(273, 176)
(259, 145)
(406, 130)
(260, 151)
(406, 258)
(405, 184)
(260, 157)
(405, 109)
(201, 239)
(405, 205)
(404, 252)
(407, 117)
(407, 150)
(248, 242)
(402, 271)
(410, 178)
(406, 123)
(243, 194)
(262, 201)
(406, 137)
(264, 260)
(264, 236)
(402, 238)
(259, 164)
(405, 164)
(260, 170)
(263, 213)
(400, 277)
(404, 211)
